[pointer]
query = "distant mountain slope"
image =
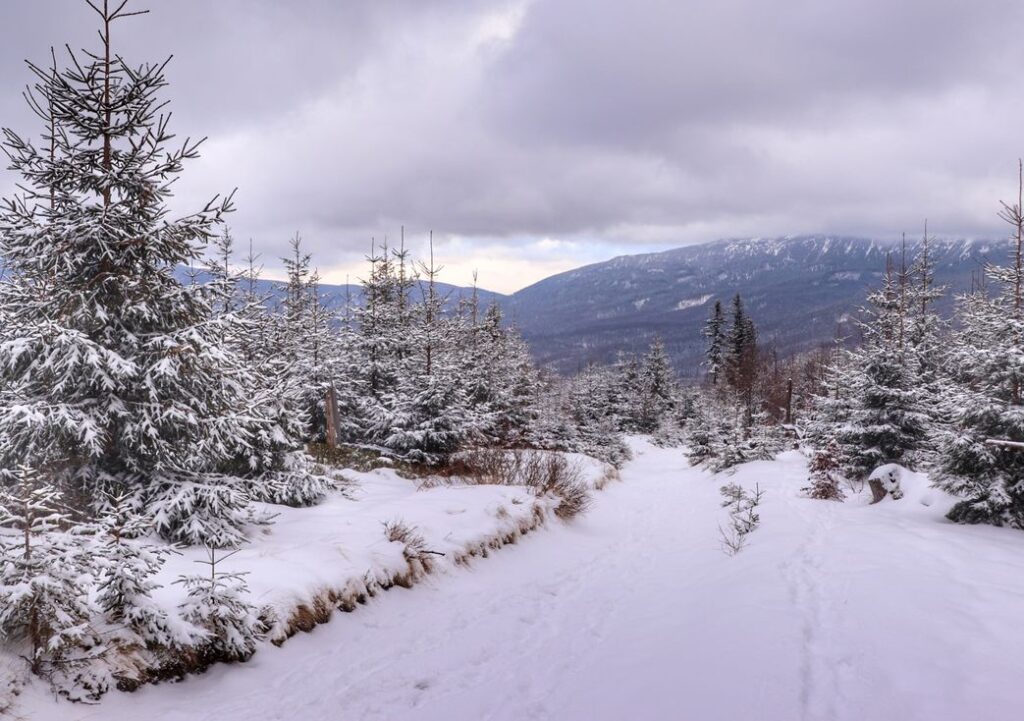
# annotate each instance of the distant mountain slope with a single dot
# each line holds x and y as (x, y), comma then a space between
(335, 295)
(796, 288)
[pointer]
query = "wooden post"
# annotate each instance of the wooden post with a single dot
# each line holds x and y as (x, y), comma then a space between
(789, 401)
(331, 414)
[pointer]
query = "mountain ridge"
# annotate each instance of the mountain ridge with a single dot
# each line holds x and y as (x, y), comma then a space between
(797, 288)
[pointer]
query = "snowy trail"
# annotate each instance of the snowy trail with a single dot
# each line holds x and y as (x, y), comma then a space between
(833, 611)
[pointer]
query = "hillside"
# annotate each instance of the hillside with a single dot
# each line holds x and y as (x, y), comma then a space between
(797, 288)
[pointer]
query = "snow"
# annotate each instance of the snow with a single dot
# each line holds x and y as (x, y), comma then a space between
(693, 302)
(844, 274)
(340, 544)
(832, 611)
(889, 475)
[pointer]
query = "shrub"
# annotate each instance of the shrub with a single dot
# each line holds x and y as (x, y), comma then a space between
(743, 516)
(545, 473)
(415, 546)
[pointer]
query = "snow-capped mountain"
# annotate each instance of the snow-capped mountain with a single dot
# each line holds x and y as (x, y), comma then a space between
(798, 289)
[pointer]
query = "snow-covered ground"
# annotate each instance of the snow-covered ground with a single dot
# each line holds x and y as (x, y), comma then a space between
(832, 611)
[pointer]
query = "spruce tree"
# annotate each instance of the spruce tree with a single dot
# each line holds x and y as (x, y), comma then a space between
(218, 604)
(305, 340)
(740, 362)
(658, 387)
(429, 416)
(925, 328)
(927, 347)
(825, 478)
(117, 374)
(271, 462)
(383, 342)
(503, 384)
(46, 574)
(628, 392)
(887, 423)
(125, 582)
(714, 333)
(838, 391)
(986, 403)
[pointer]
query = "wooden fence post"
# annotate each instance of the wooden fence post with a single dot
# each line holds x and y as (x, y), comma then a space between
(331, 414)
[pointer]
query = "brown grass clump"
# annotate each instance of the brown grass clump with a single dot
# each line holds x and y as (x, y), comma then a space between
(543, 472)
(611, 474)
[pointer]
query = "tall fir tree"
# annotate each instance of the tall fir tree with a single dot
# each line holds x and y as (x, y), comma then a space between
(741, 351)
(117, 375)
(715, 338)
(887, 421)
(986, 403)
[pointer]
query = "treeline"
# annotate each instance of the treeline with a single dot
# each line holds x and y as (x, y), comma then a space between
(750, 397)
(416, 377)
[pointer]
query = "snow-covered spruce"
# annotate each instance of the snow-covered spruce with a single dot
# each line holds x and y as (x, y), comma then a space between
(881, 400)
(45, 581)
(217, 602)
(125, 581)
(117, 376)
(722, 435)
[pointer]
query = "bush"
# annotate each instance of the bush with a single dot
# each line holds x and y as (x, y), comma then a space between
(545, 473)
(724, 439)
(743, 516)
(414, 545)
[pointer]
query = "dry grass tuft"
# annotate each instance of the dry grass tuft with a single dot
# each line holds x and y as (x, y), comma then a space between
(610, 475)
(545, 473)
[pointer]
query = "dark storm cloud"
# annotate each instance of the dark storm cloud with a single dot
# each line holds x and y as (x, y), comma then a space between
(556, 132)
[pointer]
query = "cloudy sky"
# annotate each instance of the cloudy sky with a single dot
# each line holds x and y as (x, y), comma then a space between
(533, 136)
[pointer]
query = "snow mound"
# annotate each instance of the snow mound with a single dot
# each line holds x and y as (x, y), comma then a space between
(382, 531)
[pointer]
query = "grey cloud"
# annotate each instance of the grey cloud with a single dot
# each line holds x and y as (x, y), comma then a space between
(632, 72)
(606, 124)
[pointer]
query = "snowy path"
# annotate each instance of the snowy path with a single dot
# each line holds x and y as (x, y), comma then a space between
(833, 611)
